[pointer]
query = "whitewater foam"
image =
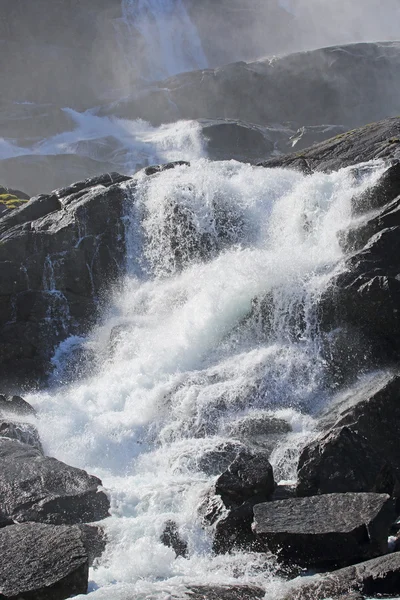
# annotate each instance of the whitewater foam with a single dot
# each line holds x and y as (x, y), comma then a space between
(182, 353)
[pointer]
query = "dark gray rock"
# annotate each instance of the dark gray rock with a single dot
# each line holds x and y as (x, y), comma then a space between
(94, 540)
(261, 431)
(34, 209)
(15, 406)
(23, 432)
(56, 271)
(376, 577)
(38, 488)
(42, 562)
(232, 592)
(249, 475)
(170, 537)
(373, 141)
(353, 454)
(332, 529)
(217, 460)
(228, 507)
(153, 169)
(385, 191)
(227, 139)
(340, 85)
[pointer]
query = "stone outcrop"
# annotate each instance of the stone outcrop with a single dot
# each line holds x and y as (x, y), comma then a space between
(59, 255)
(342, 85)
(228, 507)
(325, 530)
(42, 562)
(233, 592)
(42, 489)
(353, 453)
(376, 577)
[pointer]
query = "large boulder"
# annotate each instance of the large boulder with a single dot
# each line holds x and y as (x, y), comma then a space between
(42, 562)
(59, 255)
(38, 488)
(353, 453)
(333, 529)
(250, 474)
(376, 577)
(228, 507)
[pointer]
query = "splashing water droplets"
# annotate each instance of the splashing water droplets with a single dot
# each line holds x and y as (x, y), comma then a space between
(215, 321)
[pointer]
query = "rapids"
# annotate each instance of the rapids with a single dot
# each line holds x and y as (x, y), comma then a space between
(182, 353)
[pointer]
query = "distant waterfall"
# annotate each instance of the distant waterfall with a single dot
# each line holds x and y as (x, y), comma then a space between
(165, 39)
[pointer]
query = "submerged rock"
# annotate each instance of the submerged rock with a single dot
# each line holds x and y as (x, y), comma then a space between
(42, 562)
(332, 529)
(38, 488)
(171, 538)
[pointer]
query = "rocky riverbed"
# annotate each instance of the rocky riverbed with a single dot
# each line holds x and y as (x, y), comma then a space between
(61, 254)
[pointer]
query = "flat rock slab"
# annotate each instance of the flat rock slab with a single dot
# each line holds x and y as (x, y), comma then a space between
(377, 576)
(234, 592)
(42, 562)
(38, 488)
(323, 530)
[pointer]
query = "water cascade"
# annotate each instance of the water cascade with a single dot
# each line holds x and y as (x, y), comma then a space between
(169, 41)
(214, 322)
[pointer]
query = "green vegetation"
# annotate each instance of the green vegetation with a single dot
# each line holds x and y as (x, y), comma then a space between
(10, 201)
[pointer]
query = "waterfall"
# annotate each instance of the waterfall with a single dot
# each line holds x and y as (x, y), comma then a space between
(214, 322)
(165, 40)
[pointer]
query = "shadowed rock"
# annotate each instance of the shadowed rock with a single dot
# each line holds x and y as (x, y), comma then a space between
(371, 578)
(354, 453)
(332, 529)
(43, 489)
(171, 538)
(42, 562)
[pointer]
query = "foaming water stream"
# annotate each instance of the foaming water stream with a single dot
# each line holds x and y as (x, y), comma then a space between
(215, 322)
(127, 145)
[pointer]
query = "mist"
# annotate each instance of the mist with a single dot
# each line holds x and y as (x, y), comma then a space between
(237, 30)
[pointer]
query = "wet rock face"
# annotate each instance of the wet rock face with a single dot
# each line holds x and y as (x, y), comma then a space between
(42, 489)
(375, 577)
(358, 450)
(249, 475)
(257, 92)
(234, 592)
(42, 562)
(326, 530)
(228, 507)
(58, 256)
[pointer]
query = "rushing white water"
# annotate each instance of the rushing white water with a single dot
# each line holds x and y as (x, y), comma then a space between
(170, 41)
(182, 355)
(127, 145)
